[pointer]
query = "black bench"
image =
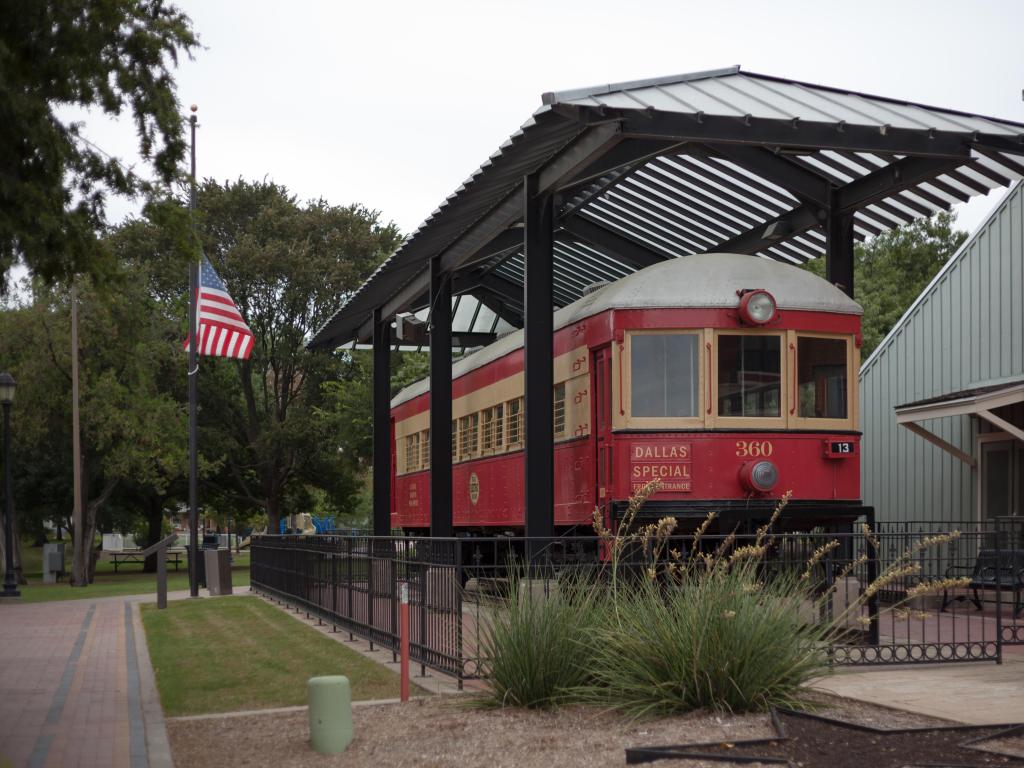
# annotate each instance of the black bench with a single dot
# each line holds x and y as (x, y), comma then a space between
(139, 556)
(994, 568)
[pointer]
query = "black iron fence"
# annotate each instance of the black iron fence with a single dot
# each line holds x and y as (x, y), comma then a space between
(891, 597)
(354, 583)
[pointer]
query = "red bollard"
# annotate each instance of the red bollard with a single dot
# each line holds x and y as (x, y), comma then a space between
(404, 618)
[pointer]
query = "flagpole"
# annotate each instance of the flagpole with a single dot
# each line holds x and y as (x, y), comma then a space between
(193, 389)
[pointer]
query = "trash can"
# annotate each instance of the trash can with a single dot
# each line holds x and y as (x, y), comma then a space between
(218, 571)
(53, 561)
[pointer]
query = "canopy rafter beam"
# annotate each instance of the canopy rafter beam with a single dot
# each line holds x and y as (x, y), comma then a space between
(814, 136)
(868, 189)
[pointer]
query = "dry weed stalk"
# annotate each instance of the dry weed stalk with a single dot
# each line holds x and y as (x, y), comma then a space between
(655, 538)
(929, 586)
(817, 556)
(902, 567)
(618, 539)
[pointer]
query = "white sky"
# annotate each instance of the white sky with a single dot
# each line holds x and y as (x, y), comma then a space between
(394, 103)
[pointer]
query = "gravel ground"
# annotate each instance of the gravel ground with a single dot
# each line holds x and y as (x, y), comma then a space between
(438, 732)
(447, 731)
(861, 713)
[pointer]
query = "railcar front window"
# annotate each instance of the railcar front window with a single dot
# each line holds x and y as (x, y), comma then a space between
(821, 378)
(664, 375)
(749, 376)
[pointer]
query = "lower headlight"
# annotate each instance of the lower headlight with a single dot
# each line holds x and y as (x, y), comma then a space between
(759, 476)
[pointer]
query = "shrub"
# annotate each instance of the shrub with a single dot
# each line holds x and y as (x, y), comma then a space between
(722, 629)
(721, 640)
(532, 641)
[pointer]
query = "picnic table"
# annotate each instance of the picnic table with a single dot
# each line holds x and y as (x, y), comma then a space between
(139, 556)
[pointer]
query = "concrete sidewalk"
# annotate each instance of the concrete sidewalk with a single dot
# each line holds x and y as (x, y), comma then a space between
(979, 693)
(77, 687)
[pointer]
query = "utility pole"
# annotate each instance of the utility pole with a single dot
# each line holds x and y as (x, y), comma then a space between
(80, 547)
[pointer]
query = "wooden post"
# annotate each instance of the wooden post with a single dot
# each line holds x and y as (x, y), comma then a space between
(160, 549)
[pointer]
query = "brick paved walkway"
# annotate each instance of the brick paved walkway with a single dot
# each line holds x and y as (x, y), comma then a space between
(70, 686)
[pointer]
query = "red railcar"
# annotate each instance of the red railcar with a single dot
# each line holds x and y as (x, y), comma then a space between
(732, 379)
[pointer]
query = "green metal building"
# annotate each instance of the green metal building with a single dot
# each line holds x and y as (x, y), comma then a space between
(942, 397)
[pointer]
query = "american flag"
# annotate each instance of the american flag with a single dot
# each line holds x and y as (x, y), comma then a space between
(222, 330)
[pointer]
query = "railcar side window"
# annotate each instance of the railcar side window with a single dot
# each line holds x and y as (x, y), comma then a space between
(664, 375)
(487, 429)
(559, 410)
(455, 432)
(412, 452)
(463, 437)
(491, 425)
(425, 449)
(474, 433)
(749, 376)
(515, 421)
(468, 435)
(821, 378)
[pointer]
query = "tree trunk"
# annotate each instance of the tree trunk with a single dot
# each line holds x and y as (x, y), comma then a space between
(273, 515)
(84, 565)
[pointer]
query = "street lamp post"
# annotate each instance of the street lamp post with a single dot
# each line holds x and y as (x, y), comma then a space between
(7, 385)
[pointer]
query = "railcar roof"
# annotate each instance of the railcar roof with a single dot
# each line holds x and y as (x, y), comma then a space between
(703, 281)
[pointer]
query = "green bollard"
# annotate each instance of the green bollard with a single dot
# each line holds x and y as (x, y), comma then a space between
(330, 713)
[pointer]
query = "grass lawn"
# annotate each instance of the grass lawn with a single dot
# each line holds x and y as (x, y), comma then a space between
(129, 580)
(235, 653)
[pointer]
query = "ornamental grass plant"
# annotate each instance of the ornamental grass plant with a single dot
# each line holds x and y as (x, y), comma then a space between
(704, 631)
(532, 639)
(672, 627)
(724, 641)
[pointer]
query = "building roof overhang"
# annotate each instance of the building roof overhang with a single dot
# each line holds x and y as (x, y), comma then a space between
(977, 401)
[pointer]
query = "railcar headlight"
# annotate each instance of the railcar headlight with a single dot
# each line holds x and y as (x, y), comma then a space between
(757, 307)
(759, 476)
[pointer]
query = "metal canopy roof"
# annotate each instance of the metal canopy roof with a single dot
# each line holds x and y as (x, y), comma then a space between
(718, 161)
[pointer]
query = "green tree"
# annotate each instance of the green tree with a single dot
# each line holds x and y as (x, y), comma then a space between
(349, 400)
(891, 270)
(133, 427)
(110, 56)
(263, 433)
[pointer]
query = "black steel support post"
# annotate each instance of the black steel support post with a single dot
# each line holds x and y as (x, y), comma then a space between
(381, 424)
(538, 240)
(440, 401)
(10, 577)
(839, 247)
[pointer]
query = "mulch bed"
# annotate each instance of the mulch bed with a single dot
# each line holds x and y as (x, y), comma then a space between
(448, 731)
(811, 739)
